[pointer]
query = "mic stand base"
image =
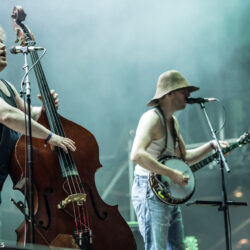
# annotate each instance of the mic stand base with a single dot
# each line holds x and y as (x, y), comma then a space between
(223, 206)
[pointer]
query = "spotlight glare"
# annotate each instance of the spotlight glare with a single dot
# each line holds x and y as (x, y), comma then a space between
(238, 192)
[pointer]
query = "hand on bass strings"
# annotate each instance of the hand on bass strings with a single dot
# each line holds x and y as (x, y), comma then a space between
(55, 99)
(56, 140)
(61, 142)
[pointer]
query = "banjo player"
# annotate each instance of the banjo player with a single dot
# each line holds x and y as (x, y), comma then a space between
(158, 134)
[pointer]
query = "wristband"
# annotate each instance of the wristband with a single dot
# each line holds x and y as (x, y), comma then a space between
(212, 145)
(48, 138)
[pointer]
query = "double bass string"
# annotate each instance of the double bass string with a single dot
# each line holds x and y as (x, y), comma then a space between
(53, 119)
(57, 127)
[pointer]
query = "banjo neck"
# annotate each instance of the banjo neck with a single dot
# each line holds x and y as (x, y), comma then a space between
(210, 158)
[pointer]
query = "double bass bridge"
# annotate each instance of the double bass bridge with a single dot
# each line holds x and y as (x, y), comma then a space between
(79, 199)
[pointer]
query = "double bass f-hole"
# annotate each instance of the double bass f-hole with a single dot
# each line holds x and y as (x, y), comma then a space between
(70, 212)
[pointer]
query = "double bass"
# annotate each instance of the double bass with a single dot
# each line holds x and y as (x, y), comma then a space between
(68, 211)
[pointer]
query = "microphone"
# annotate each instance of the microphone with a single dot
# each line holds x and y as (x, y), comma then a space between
(200, 100)
(26, 49)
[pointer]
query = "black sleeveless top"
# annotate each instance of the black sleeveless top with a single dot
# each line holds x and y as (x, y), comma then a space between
(8, 138)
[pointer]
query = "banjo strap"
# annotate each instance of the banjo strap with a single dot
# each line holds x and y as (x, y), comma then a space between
(176, 138)
(163, 121)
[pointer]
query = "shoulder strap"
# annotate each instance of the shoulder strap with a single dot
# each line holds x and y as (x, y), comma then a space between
(176, 135)
(163, 121)
(9, 88)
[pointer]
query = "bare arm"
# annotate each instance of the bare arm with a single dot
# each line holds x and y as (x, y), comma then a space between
(14, 118)
(197, 154)
(192, 156)
(35, 110)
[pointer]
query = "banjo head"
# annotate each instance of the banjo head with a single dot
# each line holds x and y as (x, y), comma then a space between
(168, 191)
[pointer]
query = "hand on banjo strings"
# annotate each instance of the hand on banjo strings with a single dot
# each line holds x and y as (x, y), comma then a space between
(223, 144)
(179, 178)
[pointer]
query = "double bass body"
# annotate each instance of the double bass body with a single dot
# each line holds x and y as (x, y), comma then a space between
(53, 225)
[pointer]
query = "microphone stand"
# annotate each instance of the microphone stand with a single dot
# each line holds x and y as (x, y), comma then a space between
(224, 204)
(30, 148)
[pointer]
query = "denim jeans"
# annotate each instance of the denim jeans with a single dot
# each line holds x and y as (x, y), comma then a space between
(160, 225)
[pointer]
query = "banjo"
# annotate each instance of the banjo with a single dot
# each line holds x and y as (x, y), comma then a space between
(170, 192)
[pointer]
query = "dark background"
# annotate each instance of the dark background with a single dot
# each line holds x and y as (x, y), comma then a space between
(104, 58)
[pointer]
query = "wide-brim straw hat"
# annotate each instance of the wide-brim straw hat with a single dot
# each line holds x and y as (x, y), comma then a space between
(168, 82)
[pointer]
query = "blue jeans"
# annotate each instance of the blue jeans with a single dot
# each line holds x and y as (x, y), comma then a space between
(160, 225)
